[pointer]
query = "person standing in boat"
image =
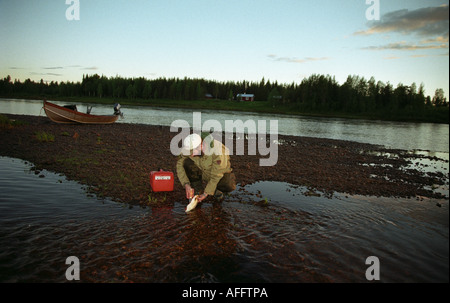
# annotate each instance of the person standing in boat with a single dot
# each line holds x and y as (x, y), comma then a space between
(205, 159)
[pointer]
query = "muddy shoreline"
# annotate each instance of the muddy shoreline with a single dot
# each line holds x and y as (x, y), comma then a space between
(115, 161)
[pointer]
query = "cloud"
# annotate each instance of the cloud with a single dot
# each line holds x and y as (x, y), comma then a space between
(406, 46)
(429, 21)
(69, 66)
(53, 67)
(295, 60)
(415, 56)
(430, 25)
(46, 74)
(440, 39)
(80, 67)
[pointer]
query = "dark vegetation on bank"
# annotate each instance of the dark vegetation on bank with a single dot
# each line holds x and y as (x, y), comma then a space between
(317, 95)
(116, 160)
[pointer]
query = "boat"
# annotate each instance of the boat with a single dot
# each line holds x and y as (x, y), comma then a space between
(70, 114)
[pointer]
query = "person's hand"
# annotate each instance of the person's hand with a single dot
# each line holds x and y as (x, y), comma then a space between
(202, 197)
(189, 191)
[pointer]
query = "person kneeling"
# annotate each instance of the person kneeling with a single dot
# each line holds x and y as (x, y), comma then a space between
(205, 159)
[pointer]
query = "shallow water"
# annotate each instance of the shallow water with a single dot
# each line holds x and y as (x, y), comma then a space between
(264, 232)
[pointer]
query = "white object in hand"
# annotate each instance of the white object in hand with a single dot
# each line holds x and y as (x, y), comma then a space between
(192, 204)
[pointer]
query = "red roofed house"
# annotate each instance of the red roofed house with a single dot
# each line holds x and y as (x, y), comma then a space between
(246, 97)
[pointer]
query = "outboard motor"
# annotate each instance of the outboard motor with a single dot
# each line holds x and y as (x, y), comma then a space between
(117, 110)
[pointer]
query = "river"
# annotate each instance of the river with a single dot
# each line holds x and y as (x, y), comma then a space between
(402, 135)
(45, 218)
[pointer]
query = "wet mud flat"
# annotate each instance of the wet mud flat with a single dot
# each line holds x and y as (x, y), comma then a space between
(115, 161)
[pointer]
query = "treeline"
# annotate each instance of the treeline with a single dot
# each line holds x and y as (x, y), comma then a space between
(318, 93)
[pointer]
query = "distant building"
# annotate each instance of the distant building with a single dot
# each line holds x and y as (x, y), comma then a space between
(245, 97)
(276, 98)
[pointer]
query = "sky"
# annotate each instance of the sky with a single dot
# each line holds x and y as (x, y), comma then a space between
(395, 41)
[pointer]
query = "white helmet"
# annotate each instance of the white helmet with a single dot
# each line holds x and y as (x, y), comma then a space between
(192, 142)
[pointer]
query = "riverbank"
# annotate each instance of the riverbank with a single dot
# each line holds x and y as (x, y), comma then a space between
(115, 161)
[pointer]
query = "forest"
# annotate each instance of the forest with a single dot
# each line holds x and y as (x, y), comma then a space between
(317, 94)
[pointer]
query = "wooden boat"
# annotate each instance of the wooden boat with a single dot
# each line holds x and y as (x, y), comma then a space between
(61, 114)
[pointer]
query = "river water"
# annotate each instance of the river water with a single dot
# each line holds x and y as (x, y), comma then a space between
(289, 237)
(403, 135)
(293, 238)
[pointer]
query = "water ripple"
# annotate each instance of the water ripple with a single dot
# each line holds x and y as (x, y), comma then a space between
(289, 238)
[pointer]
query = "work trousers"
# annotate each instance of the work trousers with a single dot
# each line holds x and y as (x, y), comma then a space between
(193, 172)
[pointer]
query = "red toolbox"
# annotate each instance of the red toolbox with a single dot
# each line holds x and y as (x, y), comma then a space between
(161, 180)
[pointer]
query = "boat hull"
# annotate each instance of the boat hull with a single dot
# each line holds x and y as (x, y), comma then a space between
(60, 114)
